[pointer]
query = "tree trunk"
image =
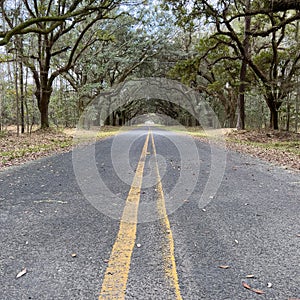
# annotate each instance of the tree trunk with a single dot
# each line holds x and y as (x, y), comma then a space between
(241, 101)
(297, 107)
(43, 104)
(22, 97)
(243, 72)
(274, 118)
(17, 95)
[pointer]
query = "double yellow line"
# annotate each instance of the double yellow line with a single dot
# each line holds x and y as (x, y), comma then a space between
(116, 275)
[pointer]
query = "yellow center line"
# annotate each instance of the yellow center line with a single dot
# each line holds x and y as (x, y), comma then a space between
(168, 251)
(116, 275)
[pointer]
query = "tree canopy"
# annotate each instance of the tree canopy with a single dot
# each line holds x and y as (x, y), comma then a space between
(65, 53)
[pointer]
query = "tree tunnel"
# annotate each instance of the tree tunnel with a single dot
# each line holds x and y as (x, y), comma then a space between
(128, 101)
(153, 110)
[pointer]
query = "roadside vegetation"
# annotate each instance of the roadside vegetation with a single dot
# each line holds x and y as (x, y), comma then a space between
(278, 147)
(15, 150)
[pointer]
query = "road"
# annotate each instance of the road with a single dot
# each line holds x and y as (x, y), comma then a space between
(132, 218)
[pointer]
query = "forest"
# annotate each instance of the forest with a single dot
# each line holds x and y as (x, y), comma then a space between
(242, 56)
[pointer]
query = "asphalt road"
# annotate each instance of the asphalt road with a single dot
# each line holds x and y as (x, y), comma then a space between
(69, 220)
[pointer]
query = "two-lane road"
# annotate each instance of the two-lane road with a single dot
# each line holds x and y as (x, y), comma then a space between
(122, 220)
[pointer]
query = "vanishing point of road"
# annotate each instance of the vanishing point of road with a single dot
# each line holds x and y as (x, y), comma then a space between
(136, 228)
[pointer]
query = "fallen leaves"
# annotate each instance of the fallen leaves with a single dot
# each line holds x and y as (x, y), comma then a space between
(259, 292)
(281, 148)
(22, 273)
(16, 150)
(224, 267)
(248, 287)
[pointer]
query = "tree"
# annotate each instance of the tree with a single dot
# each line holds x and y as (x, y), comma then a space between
(213, 72)
(267, 28)
(59, 32)
(243, 73)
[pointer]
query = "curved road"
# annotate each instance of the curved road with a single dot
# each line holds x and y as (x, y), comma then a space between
(123, 220)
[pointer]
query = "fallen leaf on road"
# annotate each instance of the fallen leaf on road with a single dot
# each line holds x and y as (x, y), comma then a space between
(246, 286)
(258, 291)
(20, 274)
(250, 276)
(224, 267)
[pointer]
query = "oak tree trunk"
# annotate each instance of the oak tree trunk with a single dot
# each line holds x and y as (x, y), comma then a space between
(243, 72)
(274, 118)
(43, 105)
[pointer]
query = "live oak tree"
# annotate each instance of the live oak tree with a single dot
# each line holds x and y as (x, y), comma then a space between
(267, 31)
(54, 30)
(213, 72)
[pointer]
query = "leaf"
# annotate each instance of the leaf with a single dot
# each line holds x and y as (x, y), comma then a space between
(250, 276)
(20, 274)
(246, 286)
(260, 292)
(224, 267)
